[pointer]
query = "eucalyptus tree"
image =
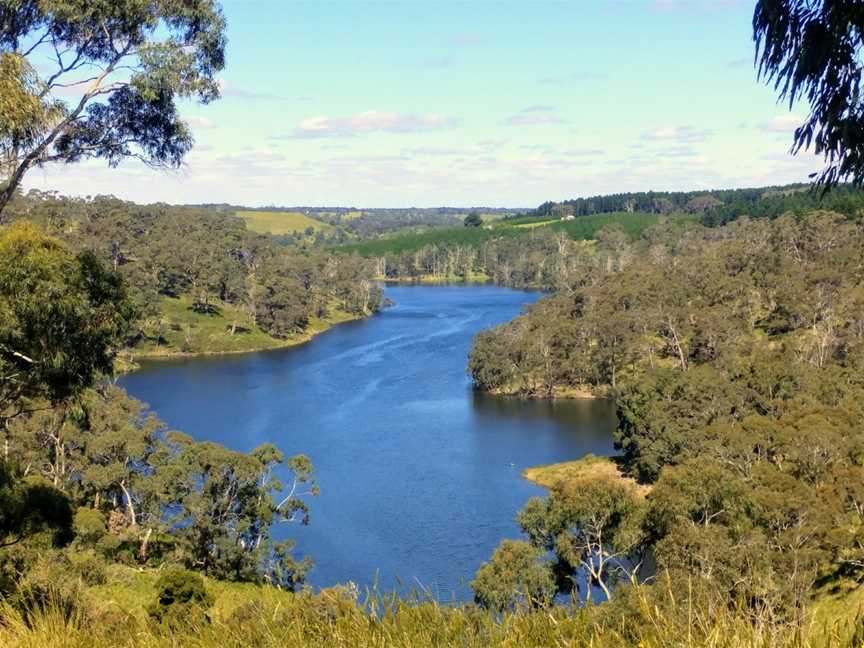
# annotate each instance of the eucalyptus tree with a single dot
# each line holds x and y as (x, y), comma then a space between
(811, 49)
(62, 317)
(116, 71)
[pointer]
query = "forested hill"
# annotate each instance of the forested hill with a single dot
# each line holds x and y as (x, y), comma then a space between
(736, 359)
(200, 280)
(715, 206)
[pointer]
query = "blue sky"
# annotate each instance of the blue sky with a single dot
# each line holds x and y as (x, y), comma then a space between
(407, 103)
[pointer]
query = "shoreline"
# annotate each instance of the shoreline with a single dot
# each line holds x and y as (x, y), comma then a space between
(433, 279)
(130, 360)
(565, 393)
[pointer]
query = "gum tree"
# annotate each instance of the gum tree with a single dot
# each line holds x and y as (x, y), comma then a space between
(100, 79)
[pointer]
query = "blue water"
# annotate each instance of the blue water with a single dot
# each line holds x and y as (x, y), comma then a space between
(419, 475)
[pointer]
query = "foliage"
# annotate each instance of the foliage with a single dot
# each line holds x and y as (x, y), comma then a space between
(512, 252)
(61, 318)
(592, 525)
(813, 50)
(181, 595)
(515, 576)
(734, 355)
(32, 507)
(253, 289)
(127, 63)
(145, 494)
(473, 220)
(243, 615)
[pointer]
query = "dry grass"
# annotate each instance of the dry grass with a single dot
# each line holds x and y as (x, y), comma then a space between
(588, 468)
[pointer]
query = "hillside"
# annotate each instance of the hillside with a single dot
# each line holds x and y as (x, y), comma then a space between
(584, 228)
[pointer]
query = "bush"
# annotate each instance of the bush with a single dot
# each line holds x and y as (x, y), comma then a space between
(50, 586)
(89, 526)
(181, 597)
(88, 566)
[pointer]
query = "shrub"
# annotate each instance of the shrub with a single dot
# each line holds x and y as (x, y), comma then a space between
(89, 526)
(181, 597)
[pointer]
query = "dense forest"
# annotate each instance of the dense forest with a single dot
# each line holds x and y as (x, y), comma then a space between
(88, 475)
(192, 271)
(735, 358)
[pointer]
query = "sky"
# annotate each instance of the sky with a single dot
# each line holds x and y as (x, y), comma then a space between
(493, 103)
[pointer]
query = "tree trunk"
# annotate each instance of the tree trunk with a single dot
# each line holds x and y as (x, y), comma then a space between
(145, 541)
(129, 507)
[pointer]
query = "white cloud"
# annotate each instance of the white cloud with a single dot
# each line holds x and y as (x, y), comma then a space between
(369, 122)
(676, 134)
(229, 90)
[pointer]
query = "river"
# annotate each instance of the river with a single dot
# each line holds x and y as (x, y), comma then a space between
(419, 475)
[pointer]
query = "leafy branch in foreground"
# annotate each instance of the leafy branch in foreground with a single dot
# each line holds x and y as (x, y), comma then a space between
(123, 63)
(812, 49)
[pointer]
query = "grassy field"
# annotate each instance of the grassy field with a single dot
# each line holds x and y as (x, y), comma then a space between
(582, 228)
(190, 332)
(281, 223)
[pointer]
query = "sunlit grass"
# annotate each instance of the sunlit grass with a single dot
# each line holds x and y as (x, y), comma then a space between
(247, 615)
(281, 223)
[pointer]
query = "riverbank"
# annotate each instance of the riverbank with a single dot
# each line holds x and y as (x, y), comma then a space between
(225, 330)
(558, 393)
(435, 280)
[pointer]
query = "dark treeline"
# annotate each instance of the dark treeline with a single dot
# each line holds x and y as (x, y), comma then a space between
(545, 259)
(209, 257)
(735, 356)
(715, 206)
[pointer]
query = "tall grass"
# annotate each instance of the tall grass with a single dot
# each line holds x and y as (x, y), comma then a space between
(336, 619)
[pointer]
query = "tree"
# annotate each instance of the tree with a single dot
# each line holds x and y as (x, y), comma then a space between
(516, 575)
(62, 317)
(126, 62)
(473, 220)
(32, 506)
(812, 49)
(593, 525)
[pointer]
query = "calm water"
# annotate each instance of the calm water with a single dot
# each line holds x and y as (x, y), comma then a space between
(419, 475)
